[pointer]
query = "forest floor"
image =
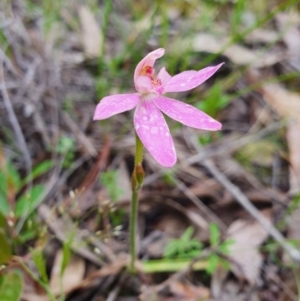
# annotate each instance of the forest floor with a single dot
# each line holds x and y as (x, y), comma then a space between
(222, 224)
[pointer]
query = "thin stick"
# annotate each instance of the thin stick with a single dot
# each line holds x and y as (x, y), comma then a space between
(204, 209)
(115, 292)
(243, 200)
(227, 147)
(15, 123)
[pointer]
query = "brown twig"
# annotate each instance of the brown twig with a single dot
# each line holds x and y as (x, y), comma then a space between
(86, 143)
(204, 209)
(15, 123)
(57, 226)
(227, 147)
(246, 204)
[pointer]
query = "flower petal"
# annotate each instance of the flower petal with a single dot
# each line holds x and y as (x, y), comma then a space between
(148, 60)
(154, 133)
(188, 80)
(143, 84)
(114, 104)
(163, 76)
(186, 114)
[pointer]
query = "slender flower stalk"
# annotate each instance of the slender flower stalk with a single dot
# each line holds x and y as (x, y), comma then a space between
(151, 129)
(136, 183)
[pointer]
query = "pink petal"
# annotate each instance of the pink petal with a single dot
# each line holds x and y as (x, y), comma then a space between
(153, 131)
(163, 76)
(188, 80)
(148, 60)
(114, 104)
(143, 84)
(186, 114)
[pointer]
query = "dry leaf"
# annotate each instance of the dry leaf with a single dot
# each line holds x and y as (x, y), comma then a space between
(260, 35)
(293, 138)
(91, 35)
(72, 275)
(61, 227)
(34, 297)
(287, 105)
(289, 23)
(247, 236)
(187, 291)
(236, 53)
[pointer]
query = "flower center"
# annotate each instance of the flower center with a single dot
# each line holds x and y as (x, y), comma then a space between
(150, 72)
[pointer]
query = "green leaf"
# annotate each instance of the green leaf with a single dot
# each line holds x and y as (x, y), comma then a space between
(65, 144)
(13, 176)
(167, 265)
(196, 244)
(214, 234)
(29, 201)
(214, 101)
(213, 262)
(4, 205)
(110, 180)
(26, 235)
(294, 204)
(39, 261)
(224, 247)
(66, 253)
(5, 249)
(39, 170)
(169, 177)
(225, 263)
(12, 286)
(184, 247)
(171, 249)
(2, 221)
(187, 235)
(3, 184)
(9, 180)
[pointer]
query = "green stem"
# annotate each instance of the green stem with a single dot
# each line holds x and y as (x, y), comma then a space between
(139, 147)
(133, 229)
(40, 282)
(136, 181)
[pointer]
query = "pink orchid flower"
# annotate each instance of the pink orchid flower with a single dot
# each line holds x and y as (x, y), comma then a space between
(149, 123)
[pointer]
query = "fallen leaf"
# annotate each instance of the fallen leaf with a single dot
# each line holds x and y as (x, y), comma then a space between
(91, 35)
(72, 276)
(260, 35)
(236, 53)
(293, 135)
(34, 297)
(289, 23)
(287, 105)
(109, 270)
(187, 291)
(62, 227)
(247, 237)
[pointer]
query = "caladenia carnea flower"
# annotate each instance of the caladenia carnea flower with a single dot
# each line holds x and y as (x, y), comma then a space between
(149, 122)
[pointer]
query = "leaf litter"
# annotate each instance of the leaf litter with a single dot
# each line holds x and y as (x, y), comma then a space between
(50, 75)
